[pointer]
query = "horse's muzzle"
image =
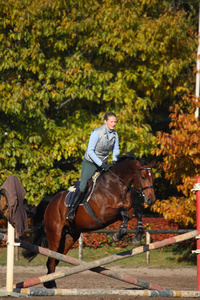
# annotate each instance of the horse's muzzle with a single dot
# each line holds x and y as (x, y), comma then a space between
(150, 201)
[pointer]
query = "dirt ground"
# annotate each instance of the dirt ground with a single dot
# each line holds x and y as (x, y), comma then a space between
(174, 279)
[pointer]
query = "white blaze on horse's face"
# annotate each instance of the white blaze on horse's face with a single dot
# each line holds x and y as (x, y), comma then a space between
(145, 183)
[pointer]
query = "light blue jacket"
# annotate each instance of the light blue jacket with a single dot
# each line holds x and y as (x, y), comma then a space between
(100, 143)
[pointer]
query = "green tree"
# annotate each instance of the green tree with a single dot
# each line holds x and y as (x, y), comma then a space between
(64, 63)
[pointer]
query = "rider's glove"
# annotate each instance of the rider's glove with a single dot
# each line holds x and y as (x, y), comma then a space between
(105, 166)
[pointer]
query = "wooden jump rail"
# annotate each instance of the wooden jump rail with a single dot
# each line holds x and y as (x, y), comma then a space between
(94, 264)
(95, 292)
(74, 261)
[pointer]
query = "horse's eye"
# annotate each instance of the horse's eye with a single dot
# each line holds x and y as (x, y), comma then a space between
(143, 177)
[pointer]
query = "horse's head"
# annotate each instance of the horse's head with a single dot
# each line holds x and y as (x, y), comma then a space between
(144, 181)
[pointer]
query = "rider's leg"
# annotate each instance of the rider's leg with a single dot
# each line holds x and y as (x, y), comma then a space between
(88, 169)
(77, 197)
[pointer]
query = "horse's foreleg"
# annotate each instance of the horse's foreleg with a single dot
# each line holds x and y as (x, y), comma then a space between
(70, 240)
(52, 262)
(140, 230)
(123, 229)
(56, 241)
(65, 243)
(51, 265)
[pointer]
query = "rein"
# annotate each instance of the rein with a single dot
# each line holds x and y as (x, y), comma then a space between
(132, 189)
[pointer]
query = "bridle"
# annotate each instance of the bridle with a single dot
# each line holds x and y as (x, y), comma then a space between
(138, 177)
(131, 188)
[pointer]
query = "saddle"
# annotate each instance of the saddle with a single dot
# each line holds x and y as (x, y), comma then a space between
(88, 191)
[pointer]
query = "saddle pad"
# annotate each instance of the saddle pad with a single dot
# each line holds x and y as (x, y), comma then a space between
(72, 189)
(68, 199)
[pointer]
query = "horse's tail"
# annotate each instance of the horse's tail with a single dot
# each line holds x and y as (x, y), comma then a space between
(39, 235)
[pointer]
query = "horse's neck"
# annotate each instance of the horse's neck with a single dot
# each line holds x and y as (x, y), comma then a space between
(114, 185)
(126, 172)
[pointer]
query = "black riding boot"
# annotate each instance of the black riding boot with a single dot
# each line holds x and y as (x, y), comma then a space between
(75, 203)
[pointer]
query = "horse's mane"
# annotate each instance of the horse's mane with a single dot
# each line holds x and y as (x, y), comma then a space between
(130, 156)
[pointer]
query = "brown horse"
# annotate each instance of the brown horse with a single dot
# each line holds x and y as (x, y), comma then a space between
(114, 197)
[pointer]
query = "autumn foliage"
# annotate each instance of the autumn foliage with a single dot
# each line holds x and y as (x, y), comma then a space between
(181, 163)
(98, 240)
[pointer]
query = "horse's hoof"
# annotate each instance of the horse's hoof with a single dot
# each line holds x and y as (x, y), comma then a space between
(136, 242)
(116, 237)
(50, 284)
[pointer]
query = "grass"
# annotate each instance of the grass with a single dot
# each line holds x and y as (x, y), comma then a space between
(168, 257)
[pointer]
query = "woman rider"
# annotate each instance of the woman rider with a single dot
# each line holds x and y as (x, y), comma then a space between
(102, 140)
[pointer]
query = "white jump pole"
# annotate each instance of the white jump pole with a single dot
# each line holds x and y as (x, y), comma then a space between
(81, 247)
(10, 263)
(10, 258)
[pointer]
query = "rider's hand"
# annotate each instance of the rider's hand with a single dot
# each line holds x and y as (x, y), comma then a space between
(105, 166)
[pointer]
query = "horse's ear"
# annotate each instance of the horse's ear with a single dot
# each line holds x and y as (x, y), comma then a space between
(152, 164)
(138, 164)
